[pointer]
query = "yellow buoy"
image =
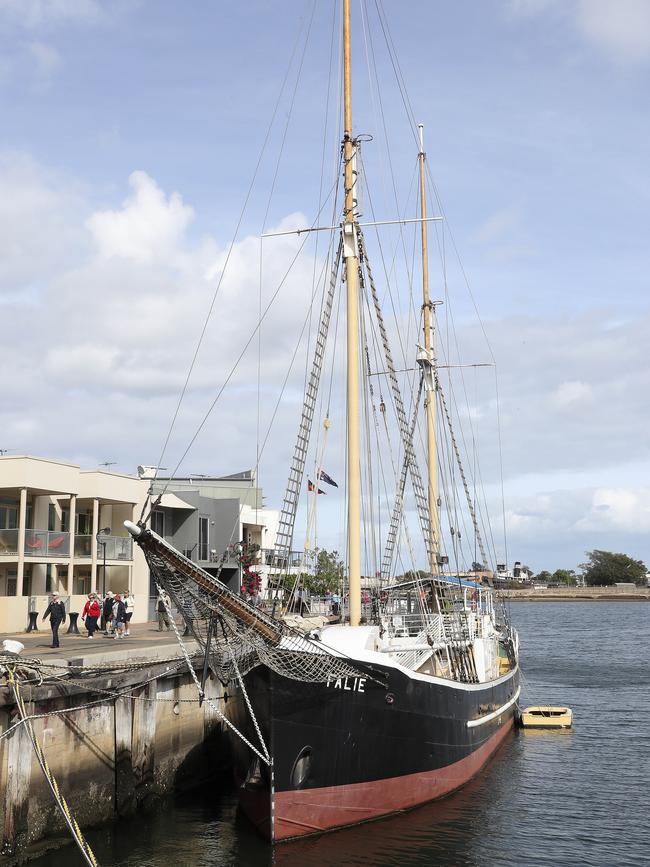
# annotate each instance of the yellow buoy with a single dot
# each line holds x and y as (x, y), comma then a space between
(547, 717)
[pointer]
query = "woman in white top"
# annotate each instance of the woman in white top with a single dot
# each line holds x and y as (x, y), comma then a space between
(129, 605)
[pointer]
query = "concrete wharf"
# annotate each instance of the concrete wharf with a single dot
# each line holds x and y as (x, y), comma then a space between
(120, 724)
(578, 594)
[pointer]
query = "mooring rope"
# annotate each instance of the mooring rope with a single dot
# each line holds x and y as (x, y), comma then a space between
(83, 845)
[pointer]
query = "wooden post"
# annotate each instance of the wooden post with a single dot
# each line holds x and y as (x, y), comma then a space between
(16, 800)
(125, 799)
(143, 741)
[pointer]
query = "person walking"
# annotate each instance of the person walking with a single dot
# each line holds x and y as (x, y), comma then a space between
(188, 614)
(91, 613)
(161, 609)
(56, 612)
(119, 616)
(107, 611)
(129, 607)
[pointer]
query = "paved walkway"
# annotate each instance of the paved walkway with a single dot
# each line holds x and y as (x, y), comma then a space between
(144, 640)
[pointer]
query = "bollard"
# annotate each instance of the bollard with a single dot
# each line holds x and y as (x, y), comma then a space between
(33, 616)
(73, 628)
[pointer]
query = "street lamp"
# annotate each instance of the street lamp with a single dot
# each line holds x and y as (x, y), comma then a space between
(106, 531)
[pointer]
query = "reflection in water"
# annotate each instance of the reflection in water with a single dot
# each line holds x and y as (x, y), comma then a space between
(577, 798)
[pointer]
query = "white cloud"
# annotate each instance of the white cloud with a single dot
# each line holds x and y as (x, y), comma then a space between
(620, 28)
(149, 227)
(40, 231)
(100, 319)
(556, 527)
(571, 395)
(624, 509)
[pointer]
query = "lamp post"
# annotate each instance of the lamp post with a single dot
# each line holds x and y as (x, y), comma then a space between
(106, 531)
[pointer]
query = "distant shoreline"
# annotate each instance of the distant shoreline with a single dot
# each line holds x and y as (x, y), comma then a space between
(579, 594)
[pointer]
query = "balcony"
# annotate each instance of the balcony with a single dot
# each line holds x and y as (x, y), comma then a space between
(117, 547)
(54, 543)
(47, 543)
(8, 542)
(83, 547)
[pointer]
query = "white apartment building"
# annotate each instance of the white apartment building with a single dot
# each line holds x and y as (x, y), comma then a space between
(62, 529)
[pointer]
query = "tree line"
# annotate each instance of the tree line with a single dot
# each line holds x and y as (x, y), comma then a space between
(601, 569)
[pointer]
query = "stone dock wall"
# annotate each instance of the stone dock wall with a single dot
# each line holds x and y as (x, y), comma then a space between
(579, 594)
(111, 759)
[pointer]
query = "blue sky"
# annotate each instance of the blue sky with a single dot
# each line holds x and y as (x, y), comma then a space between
(536, 118)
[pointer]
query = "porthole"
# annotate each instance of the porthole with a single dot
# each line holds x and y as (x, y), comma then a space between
(301, 768)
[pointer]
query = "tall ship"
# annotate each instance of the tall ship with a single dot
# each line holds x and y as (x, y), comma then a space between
(403, 687)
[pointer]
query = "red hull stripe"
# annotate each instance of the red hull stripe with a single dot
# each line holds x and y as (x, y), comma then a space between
(312, 811)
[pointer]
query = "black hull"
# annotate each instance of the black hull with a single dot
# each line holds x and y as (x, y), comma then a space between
(352, 750)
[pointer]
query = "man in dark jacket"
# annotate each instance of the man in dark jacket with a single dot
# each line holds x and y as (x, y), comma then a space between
(107, 611)
(56, 612)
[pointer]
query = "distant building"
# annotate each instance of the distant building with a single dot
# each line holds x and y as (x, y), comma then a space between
(206, 517)
(518, 572)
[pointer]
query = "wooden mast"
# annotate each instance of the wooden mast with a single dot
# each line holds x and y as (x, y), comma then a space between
(351, 259)
(427, 361)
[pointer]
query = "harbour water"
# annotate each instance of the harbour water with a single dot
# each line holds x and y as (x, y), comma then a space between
(568, 798)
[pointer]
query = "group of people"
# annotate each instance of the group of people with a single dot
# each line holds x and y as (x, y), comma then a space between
(115, 611)
(112, 614)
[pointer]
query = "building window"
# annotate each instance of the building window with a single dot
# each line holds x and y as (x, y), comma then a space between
(8, 517)
(12, 583)
(158, 523)
(49, 586)
(83, 524)
(204, 537)
(51, 517)
(81, 584)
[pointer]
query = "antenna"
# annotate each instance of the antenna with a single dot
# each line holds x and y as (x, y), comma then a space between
(108, 464)
(5, 451)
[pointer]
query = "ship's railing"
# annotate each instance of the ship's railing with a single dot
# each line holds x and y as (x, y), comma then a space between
(414, 658)
(281, 559)
(323, 606)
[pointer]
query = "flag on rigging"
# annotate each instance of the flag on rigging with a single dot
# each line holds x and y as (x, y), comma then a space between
(312, 487)
(330, 481)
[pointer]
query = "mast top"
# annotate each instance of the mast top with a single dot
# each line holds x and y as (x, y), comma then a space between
(421, 136)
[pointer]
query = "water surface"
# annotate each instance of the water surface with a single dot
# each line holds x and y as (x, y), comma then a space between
(570, 798)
